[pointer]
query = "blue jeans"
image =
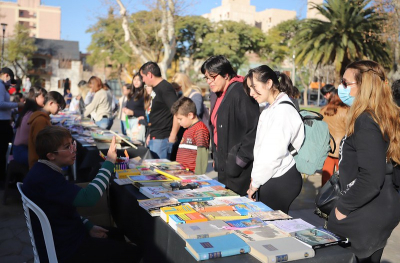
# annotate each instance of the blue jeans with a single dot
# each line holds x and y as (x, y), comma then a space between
(160, 148)
(123, 129)
(20, 154)
(105, 123)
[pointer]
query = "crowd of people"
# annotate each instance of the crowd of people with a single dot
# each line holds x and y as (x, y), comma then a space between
(249, 146)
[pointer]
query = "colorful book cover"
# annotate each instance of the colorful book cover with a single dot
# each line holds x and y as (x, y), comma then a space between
(153, 205)
(123, 174)
(144, 170)
(223, 215)
(231, 200)
(188, 195)
(244, 209)
(143, 184)
(319, 237)
(175, 220)
(153, 191)
(291, 225)
(203, 229)
(245, 223)
(195, 217)
(216, 247)
(148, 178)
(165, 212)
(270, 215)
(186, 218)
(207, 183)
(260, 233)
(195, 177)
(280, 250)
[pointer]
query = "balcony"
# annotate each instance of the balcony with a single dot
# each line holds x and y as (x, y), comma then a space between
(47, 71)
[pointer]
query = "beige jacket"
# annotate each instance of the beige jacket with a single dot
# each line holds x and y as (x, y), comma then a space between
(337, 126)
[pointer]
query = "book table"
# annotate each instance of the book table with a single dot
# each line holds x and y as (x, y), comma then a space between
(160, 243)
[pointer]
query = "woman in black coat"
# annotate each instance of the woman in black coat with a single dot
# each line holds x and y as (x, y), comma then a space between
(369, 207)
(233, 124)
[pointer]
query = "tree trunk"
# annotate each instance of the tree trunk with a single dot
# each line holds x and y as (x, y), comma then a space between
(167, 35)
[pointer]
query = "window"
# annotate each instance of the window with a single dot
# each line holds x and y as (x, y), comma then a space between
(64, 63)
(38, 62)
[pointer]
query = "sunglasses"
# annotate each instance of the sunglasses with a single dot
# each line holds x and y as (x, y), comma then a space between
(345, 84)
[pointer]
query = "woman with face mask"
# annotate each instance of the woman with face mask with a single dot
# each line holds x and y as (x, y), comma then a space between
(367, 210)
(6, 131)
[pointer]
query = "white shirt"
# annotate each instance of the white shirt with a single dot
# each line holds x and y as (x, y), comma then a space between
(278, 126)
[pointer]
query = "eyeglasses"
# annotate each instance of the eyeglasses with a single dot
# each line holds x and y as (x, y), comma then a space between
(210, 78)
(71, 148)
(345, 84)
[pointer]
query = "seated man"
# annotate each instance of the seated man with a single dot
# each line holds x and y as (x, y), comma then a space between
(75, 238)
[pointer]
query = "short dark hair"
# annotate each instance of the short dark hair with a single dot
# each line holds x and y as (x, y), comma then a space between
(151, 67)
(396, 89)
(55, 97)
(328, 88)
(184, 106)
(49, 139)
(219, 65)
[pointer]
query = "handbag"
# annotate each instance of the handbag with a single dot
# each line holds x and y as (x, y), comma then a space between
(327, 197)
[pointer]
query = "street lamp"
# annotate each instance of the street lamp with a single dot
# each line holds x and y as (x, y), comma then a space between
(2, 45)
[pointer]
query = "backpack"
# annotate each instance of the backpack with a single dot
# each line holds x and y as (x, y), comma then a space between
(315, 148)
(205, 114)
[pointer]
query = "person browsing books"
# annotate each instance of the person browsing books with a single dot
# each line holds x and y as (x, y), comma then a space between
(274, 174)
(367, 210)
(193, 148)
(75, 238)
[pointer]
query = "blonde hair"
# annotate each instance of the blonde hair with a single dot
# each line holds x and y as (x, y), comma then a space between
(183, 81)
(374, 96)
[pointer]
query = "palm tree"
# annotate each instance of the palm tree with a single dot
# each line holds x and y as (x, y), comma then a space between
(351, 31)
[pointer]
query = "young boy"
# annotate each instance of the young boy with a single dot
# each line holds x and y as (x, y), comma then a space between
(53, 103)
(193, 148)
(75, 238)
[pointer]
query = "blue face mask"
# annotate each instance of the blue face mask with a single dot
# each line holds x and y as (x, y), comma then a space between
(344, 95)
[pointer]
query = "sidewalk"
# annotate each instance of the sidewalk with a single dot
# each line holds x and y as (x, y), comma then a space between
(15, 244)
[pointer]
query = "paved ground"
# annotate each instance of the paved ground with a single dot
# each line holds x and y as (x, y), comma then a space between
(15, 244)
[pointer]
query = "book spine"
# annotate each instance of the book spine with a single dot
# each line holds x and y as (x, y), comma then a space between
(196, 199)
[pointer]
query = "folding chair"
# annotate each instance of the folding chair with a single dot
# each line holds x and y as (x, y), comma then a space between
(46, 228)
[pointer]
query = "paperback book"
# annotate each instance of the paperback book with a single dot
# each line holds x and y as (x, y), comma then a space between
(223, 215)
(123, 174)
(189, 218)
(292, 225)
(188, 195)
(153, 205)
(195, 177)
(270, 215)
(203, 229)
(246, 223)
(148, 178)
(280, 250)
(165, 212)
(260, 233)
(153, 191)
(245, 208)
(144, 170)
(216, 247)
(319, 237)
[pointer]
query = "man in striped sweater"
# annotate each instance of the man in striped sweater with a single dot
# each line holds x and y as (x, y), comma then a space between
(75, 238)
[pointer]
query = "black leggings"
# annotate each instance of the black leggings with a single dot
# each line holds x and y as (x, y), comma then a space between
(279, 193)
(374, 258)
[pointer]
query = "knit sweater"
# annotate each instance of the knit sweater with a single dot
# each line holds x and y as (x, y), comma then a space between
(100, 106)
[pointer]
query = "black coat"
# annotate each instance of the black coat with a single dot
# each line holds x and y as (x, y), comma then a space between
(237, 120)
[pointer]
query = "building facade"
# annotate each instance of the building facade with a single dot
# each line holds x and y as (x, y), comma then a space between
(42, 21)
(241, 10)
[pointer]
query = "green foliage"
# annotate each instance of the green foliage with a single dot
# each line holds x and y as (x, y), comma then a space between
(350, 32)
(279, 42)
(190, 33)
(20, 48)
(233, 40)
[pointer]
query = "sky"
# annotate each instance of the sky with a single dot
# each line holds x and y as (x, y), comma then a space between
(78, 15)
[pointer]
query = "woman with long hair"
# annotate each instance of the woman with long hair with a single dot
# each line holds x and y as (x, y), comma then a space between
(335, 116)
(233, 124)
(274, 175)
(134, 107)
(189, 90)
(34, 102)
(100, 109)
(367, 210)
